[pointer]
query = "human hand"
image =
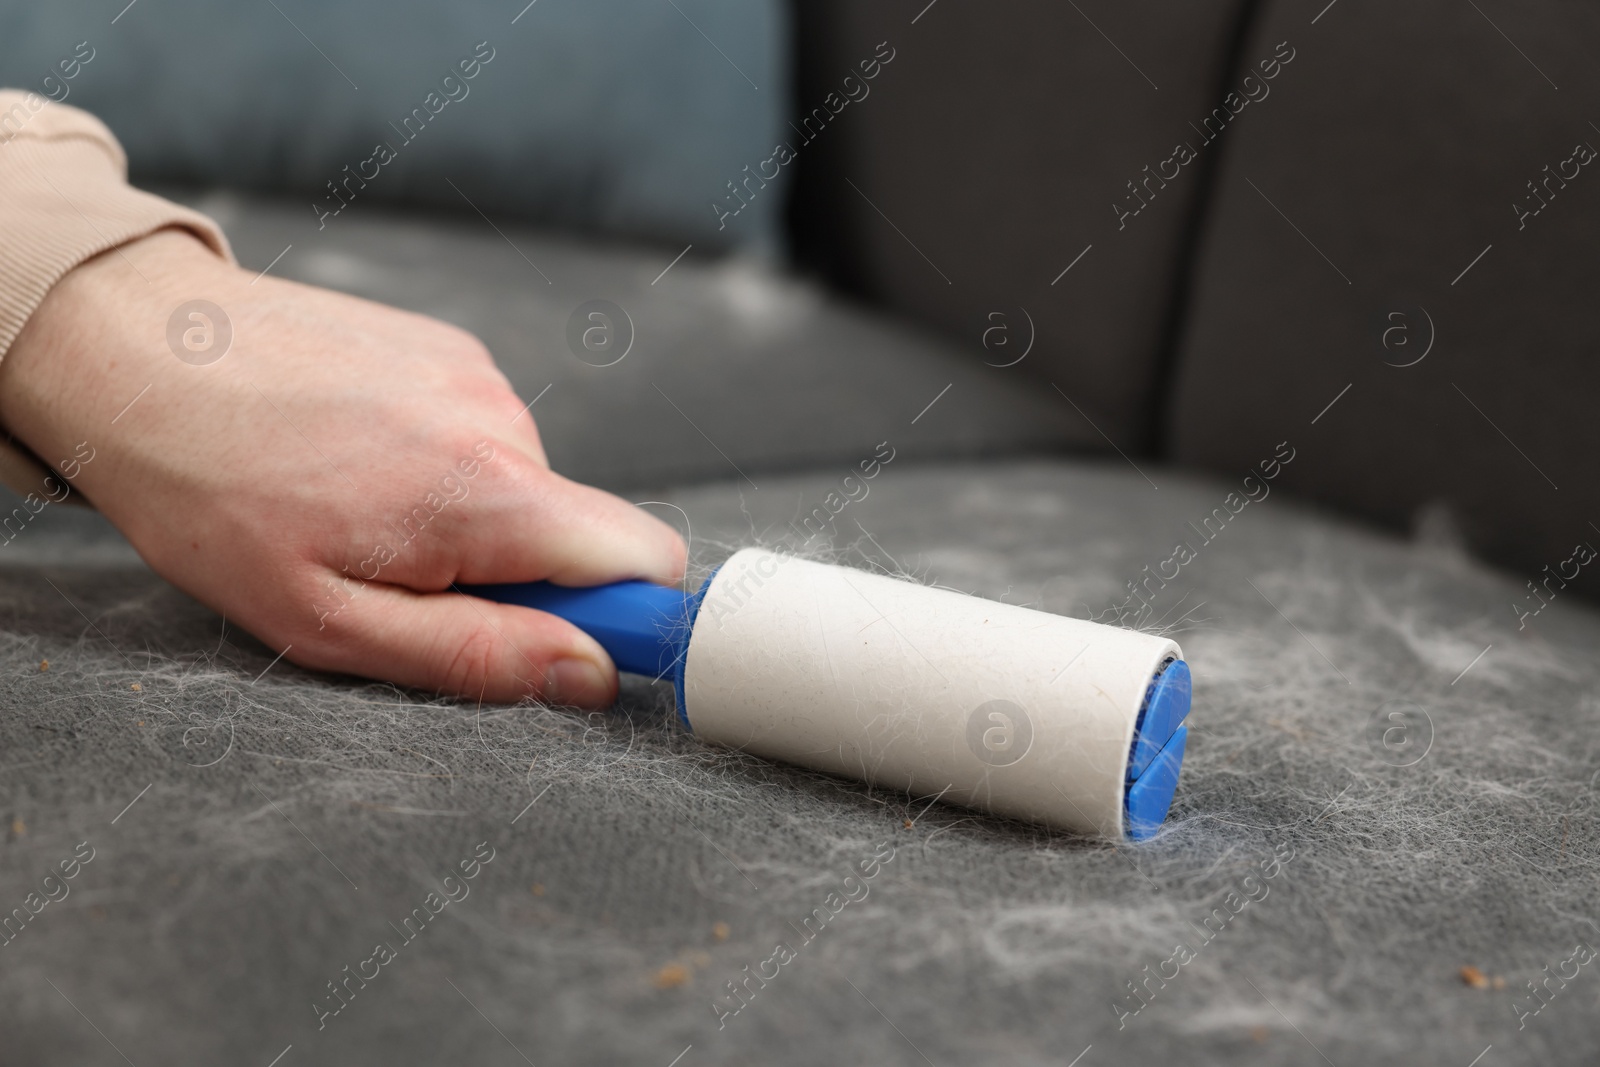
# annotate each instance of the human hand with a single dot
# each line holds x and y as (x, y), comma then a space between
(326, 481)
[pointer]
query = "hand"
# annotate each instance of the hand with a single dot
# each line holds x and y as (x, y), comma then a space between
(326, 480)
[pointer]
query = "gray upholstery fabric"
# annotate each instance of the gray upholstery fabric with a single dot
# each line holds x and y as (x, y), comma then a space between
(993, 152)
(256, 828)
(733, 365)
(606, 115)
(1401, 145)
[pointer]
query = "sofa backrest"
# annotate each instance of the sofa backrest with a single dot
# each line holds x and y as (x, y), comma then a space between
(605, 115)
(991, 180)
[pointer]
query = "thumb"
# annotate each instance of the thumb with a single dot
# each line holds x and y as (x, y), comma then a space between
(461, 645)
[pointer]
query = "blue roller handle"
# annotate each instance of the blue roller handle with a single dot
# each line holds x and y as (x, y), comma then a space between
(644, 627)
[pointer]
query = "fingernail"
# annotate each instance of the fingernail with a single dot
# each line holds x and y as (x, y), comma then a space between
(578, 682)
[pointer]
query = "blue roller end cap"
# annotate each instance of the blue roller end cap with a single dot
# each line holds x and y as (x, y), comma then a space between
(1166, 705)
(1149, 798)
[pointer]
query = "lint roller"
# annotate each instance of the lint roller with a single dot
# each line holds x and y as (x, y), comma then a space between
(1059, 721)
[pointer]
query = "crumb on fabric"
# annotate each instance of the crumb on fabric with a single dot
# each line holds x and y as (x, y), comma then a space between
(136, 687)
(537, 889)
(906, 823)
(671, 976)
(720, 931)
(44, 665)
(1474, 977)
(18, 827)
(1258, 1033)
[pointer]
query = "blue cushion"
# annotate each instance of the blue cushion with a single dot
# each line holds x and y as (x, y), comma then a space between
(611, 115)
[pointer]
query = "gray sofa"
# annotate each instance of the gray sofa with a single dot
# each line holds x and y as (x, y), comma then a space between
(1383, 848)
(1387, 783)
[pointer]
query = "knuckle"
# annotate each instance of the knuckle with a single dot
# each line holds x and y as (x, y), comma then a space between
(471, 665)
(330, 627)
(512, 471)
(466, 345)
(324, 618)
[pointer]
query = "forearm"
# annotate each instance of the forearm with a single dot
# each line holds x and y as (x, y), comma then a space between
(91, 346)
(64, 200)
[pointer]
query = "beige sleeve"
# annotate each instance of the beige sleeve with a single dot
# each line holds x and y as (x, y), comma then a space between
(64, 198)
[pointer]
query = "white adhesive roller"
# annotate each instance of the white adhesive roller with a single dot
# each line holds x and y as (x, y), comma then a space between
(1010, 710)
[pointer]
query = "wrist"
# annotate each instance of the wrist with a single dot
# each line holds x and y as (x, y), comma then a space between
(98, 337)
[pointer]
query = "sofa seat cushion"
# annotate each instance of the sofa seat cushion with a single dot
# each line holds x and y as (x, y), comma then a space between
(1386, 782)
